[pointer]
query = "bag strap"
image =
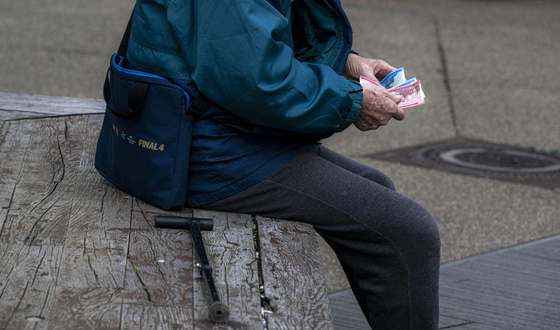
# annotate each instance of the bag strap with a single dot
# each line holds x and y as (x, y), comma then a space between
(197, 107)
(123, 47)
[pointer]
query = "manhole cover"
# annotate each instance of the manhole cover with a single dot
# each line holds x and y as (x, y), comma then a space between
(483, 159)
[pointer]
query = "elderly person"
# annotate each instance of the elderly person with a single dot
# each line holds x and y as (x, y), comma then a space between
(281, 76)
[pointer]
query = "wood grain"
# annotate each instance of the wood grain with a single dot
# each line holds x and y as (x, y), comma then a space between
(84, 308)
(12, 151)
(137, 317)
(293, 276)
(34, 105)
(27, 284)
(231, 253)
(96, 240)
(158, 268)
(39, 206)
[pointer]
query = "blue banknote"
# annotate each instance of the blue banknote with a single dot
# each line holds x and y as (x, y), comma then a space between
(394, 79)
(408, 82)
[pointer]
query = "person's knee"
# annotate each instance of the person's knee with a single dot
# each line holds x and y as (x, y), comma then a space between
(426, 232)
(413, 230)
(379, 177)
(387, 182)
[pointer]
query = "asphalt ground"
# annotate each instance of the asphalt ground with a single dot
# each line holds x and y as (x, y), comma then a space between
(489, 70)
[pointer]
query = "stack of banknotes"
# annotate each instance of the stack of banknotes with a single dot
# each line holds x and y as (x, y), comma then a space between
(396, 83)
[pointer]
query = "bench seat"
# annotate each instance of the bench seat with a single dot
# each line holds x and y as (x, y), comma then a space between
(78, 253)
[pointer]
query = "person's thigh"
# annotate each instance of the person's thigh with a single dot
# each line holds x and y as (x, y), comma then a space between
(356, 167)
(335, 200)
(388, 243)
(330, 192)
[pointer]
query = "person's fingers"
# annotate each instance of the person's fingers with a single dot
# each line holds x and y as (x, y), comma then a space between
(399, 114)
(396, 111)
(383, 69)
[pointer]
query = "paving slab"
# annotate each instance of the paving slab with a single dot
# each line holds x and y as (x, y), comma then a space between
(60, 47)
(536, 12)
(513, 288)
(503, 82)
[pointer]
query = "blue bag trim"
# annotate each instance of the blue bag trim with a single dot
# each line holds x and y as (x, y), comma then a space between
(119, 67)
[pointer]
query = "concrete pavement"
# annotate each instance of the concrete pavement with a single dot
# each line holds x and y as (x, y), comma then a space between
(489, 69)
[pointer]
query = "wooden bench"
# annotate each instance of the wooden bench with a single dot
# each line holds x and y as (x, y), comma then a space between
(77, 253)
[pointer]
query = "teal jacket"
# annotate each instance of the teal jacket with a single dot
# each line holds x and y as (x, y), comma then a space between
(273, 69)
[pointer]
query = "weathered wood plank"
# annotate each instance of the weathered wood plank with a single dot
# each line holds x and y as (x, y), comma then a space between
(12, 151)
(43, 193)
(158, 271)
(231, 253)
(29, 216)
(39, 207)
(293, 276)
(158, 283)
(96, 241)
(13, 146)
(13, 115)
(10, 115)
(27, 283)
(83, 308)
(31, 105)
(136, 317)
(444, 321)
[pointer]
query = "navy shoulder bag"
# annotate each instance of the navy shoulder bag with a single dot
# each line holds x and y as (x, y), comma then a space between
(145, 139)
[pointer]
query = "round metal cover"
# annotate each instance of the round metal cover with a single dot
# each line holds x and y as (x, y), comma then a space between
(490, 160)
(483, 159)
(513, 161)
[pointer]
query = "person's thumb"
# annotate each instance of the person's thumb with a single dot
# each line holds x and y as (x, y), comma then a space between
(368, 73)
(396, 98)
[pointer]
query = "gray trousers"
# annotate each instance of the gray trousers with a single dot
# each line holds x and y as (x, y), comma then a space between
(388, 245)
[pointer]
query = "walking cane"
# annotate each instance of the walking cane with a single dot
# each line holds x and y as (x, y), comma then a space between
(217, 311)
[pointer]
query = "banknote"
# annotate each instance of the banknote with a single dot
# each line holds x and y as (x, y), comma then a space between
(410, 81)
(411, 93)
(394, 79)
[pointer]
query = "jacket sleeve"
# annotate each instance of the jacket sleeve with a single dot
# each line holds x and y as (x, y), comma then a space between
(239, 55)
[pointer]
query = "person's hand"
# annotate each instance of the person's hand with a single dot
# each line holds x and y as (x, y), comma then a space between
(378, 107)
(357, 66)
